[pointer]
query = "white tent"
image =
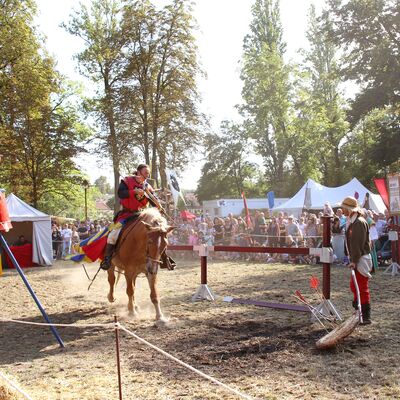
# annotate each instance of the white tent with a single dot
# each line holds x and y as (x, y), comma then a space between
(38, 224)
(313, 196)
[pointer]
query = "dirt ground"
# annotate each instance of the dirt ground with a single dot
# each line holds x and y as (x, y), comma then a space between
(265, 353)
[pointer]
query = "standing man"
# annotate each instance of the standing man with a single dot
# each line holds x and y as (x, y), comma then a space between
(66, 235)
(358, 248)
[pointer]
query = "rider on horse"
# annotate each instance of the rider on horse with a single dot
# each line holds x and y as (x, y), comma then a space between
(133, 199)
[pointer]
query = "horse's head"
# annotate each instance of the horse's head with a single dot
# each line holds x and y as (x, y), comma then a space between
(156, 244)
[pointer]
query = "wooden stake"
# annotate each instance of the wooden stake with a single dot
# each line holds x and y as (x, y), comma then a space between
(118, 359)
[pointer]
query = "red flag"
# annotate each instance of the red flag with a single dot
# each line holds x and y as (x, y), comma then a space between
(314, 282)
(248, 219)
(5, 223)
(380, 184)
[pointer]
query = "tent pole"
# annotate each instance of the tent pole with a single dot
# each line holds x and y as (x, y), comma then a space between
(4, 245)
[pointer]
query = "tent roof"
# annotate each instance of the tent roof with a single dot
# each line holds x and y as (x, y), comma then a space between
(20, 211)
(334, 195)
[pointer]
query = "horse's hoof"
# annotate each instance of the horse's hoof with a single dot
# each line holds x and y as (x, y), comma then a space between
(162, 322)
(111, 299)
(133, 314)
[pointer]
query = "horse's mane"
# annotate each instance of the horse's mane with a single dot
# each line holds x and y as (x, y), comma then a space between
(153, 216)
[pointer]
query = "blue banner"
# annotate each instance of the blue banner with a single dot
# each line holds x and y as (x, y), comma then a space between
(271, 199)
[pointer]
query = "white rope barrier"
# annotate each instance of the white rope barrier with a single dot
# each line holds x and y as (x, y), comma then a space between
(202, 374)
(107, 325)
(118, 325)
(14, 386)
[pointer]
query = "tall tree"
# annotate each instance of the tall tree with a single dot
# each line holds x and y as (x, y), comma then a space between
(229, 170)
(146, 61)
(266, 90)
(368, 32)
(39, 128)
(101, 61)
(372, 148)
(326, 116)
(161, 90)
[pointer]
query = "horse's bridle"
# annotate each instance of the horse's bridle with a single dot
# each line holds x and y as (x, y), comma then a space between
(152, 260)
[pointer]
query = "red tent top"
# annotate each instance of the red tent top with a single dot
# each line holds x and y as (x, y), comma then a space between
(187, 215)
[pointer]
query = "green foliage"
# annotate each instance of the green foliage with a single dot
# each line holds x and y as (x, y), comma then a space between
(40, 129)
(373, 147)
(74, 205)
(266, 91)
(368, 33)
(144, 60)
(102, 185)
(321, 119)
(229, 170)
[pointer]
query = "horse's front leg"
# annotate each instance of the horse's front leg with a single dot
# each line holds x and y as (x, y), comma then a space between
(152, 278)
(111, 281)
(130, 291)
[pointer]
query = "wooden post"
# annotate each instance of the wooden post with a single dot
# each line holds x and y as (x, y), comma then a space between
(203, 270)
(326, 267)
(118, 358)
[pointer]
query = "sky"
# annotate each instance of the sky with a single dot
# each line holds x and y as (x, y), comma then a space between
(222, 26)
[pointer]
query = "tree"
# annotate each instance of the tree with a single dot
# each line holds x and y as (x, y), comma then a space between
(266, 91)
(229, 170)
(160, 90)
(102, 184)
(368, 33)
(102, 62)
(146, 62)
(373, 147)
(39, 128)
(322, 119)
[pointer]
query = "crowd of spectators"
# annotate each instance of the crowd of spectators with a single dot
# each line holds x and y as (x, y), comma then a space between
(260, 229)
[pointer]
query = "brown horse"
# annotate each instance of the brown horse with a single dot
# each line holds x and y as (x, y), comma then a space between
(139, 251)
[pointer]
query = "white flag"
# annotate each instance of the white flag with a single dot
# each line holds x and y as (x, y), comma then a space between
(174, 186)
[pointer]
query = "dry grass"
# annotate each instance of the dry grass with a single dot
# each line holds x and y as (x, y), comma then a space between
(265, 353)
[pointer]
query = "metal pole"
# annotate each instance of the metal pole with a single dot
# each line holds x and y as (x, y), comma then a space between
(118, 358)
(4, 245)
(326, 267)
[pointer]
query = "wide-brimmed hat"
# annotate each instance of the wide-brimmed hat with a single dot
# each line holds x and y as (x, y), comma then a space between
(350, 203)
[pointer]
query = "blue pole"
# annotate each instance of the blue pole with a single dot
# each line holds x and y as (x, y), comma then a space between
(4, 245)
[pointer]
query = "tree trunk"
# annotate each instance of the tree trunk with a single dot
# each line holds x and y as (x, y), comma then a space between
(109, 110)
(162, 168)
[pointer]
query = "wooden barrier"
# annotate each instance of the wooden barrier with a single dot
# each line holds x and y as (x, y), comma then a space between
(325, 254)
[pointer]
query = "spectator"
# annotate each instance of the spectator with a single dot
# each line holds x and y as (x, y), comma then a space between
(75, 239)
(21, 241)
(219, 231)
(66, 236)
(83, 231)
(56, 242)
(293, 230)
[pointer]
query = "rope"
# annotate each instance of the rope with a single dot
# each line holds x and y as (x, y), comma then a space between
(108, 325)
(202, 374)
(118, 325)
(14, 386)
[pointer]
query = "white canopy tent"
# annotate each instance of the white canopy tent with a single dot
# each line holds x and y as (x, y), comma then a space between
(39, 225)
(313, 196)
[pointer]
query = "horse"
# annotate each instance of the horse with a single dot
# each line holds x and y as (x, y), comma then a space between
(139, 250)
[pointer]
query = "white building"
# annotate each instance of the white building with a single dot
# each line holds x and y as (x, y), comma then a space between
(222, 207)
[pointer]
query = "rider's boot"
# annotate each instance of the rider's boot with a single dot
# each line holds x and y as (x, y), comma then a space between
(167, 262)
(106, 263)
